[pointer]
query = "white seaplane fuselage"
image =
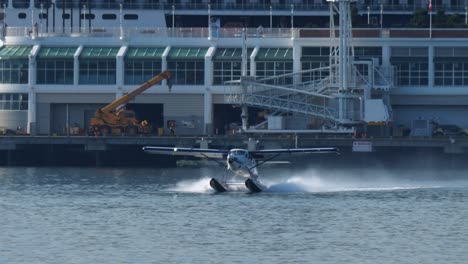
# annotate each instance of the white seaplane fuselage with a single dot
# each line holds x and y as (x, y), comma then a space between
(241, 162)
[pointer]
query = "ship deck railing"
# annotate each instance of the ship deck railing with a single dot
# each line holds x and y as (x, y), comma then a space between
(243, 5)
(227, 32)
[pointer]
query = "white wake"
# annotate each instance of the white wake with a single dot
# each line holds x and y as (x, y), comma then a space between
(316, 181)
(193, 186)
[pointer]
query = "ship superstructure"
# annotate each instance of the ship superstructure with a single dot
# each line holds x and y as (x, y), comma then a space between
(307, 68)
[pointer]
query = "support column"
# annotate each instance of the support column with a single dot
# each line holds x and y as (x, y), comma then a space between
(119, 67)
(253, 66)
(245, 117)
(209, 66)
(208, 96)
(386, 54)
(32, 67)
(208, 112)
(430, 62)
(32, 111)
(297, 67)
(76, 66)
(164, 63)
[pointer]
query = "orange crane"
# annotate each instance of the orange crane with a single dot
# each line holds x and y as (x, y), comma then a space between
(114, 119)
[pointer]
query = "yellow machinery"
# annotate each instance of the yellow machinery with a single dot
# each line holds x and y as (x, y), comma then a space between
(114, 119)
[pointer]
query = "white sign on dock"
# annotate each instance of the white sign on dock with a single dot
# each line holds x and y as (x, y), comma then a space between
(362, 146)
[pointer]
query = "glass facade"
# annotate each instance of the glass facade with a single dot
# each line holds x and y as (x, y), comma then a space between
(451, 73)
(314, 58)
(13, 101)
(227, 64)
(97, 71)
(14, 71)
(411, 65)
(97, 65)
(139, 71)
(267, 69)
(55, 71)
(411, 73)
(314, 75)
(273, 62)
(451, 66)
(224, 71)
(190, 72)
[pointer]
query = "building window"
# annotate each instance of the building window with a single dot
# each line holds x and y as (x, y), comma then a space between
(316, 74)
(412, 74)
(44, 3)
(97, 72)
(140, 71)
(187, 72)
(55, 71)
(451, 73)
(87, 16)
(274, 68)
(21, 4)
(109, 16)
(14, 71)
(227, 71)
(13, 101)
(131, 17)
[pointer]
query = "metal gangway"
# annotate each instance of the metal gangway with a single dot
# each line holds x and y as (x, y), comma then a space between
(312, 92)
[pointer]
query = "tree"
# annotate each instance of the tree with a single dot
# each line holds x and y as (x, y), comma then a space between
(420, 19)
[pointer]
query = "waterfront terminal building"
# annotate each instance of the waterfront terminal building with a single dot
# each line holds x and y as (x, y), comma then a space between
(61, 60)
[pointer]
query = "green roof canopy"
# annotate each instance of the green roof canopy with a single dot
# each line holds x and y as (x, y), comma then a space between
(187, 53)
(99, 52)
(145, 53)
(57, 52)
(274, 54)
(230, 54)
(15, 52)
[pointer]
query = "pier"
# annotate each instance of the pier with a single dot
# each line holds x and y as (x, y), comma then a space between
(118, 151)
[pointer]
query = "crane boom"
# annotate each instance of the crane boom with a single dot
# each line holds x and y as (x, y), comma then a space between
(165, 75)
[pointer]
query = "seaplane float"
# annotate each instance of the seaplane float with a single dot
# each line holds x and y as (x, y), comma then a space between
(239, 162)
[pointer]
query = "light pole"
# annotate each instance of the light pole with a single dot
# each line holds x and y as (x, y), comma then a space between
(292, 17)
(4, 14)
(173, 18)
(381, 15)
(466, 15)
(368, 15)
(84, 18)
(121, 21)
(40, 16)
(271, 17)
(209, 21)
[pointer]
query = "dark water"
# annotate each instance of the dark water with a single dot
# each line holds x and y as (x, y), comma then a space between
(83, 215)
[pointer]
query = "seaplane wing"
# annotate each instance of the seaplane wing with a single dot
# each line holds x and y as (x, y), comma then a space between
(294, 151)
(195, 152)
(239, 162)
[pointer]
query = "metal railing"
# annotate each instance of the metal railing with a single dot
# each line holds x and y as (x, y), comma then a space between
(150, 32)
(204, 32)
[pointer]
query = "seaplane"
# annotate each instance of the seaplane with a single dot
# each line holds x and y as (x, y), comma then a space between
(241, 163)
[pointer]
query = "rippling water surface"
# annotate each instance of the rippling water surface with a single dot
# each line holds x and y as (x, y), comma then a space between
(89, 215)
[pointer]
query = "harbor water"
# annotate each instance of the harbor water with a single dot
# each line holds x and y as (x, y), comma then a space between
(106, 215)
